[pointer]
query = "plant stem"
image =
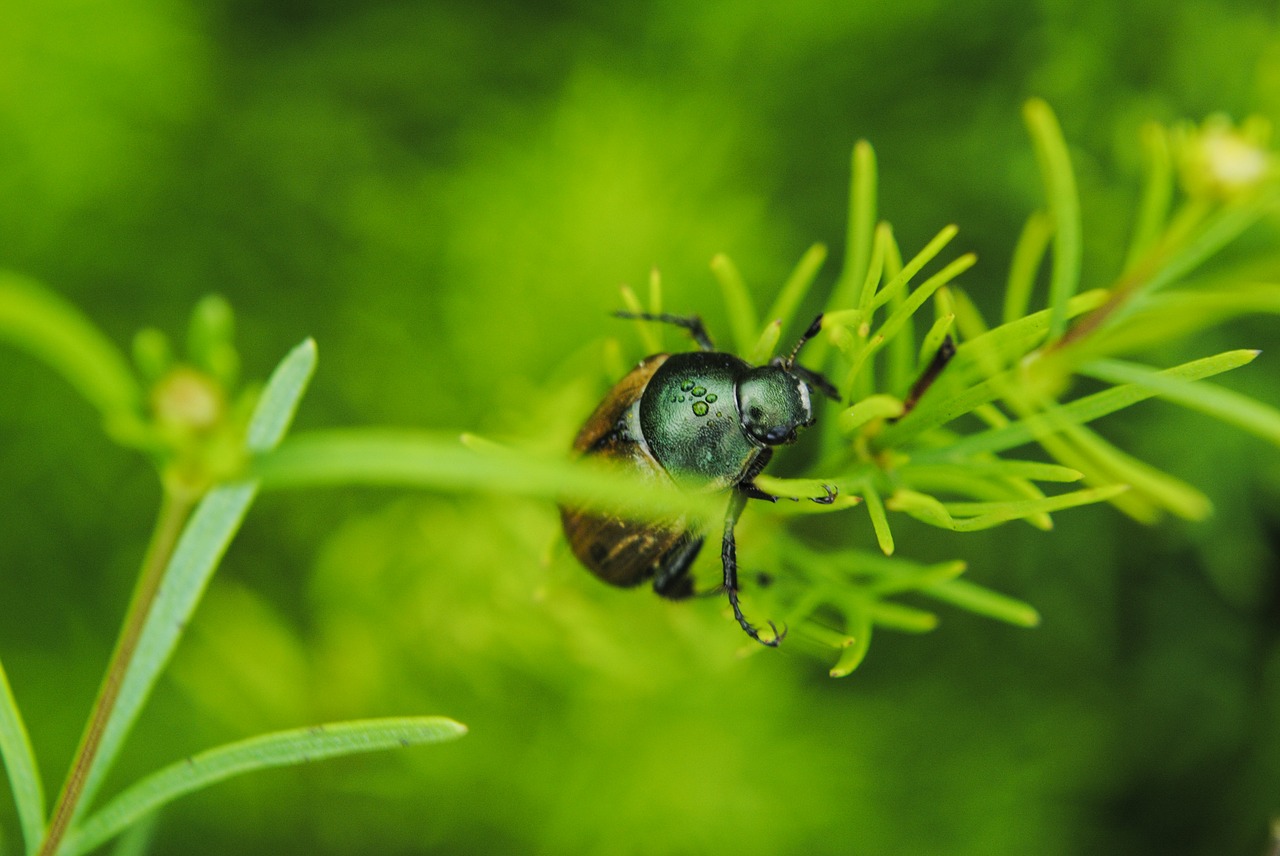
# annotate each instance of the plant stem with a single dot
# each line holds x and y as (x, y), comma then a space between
(175, 507)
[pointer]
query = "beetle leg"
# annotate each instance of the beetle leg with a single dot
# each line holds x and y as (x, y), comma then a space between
(729, 556)
(672, 580)
(747, 484)
(946, 351)
(832, 493)
(692, 323)
(753, 492)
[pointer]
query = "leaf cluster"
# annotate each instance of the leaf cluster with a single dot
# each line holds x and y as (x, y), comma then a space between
(1002, 433)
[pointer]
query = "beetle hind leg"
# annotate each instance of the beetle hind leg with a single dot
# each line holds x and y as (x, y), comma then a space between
(692, 323)
(672, 579)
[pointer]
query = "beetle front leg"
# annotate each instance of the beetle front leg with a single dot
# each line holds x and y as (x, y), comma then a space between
(729, 557)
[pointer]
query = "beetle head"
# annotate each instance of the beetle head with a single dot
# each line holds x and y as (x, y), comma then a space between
(772, 404)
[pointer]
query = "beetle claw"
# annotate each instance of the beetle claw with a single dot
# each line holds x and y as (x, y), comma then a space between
(749, 628)
(832, 493)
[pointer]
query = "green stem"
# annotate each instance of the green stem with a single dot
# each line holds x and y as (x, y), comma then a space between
(175, 507)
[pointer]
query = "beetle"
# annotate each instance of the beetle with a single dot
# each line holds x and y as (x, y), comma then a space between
(706, 420)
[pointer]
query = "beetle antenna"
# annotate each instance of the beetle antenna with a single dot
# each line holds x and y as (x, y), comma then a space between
(813, 330)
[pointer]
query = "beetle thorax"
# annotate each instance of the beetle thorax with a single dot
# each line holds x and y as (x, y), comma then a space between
(691, 422)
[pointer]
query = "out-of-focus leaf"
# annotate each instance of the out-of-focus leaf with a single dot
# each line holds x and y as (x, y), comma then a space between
(42, 323)
(1224, 404)
(1082, 410)
(743, 321)
(20, 763)
(281, 749)
(1064, 208)
(201, 546)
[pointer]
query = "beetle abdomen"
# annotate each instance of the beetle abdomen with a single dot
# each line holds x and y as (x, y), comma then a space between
(621, 552)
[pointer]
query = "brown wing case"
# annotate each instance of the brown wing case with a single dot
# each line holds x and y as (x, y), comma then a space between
(620, 552)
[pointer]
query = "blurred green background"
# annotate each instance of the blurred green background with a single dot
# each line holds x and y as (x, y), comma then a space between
(446, 195)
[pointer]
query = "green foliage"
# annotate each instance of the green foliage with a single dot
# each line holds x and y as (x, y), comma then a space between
(894, 449)
(301, 746)
(183, 556)
(449, 221)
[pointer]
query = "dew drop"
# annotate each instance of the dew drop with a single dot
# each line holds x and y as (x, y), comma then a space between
(700, 408)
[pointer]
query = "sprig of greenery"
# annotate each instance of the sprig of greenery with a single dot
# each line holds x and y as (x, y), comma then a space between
(942, 463)
(200, 434)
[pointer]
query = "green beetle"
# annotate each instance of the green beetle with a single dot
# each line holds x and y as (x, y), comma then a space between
(706, 420)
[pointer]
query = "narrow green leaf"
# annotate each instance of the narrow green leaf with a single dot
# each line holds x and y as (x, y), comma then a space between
(1157, 193)
(919, 577)
(961, 479)
(51, 329)
(655, 291)
(860, 229)
(647, 330)
(1028, 256)
(280, 398)
(859, 235)
(938, 411)
(1064, 207)
(900, 359)
(923, 507)
(793, 488)
(391, 458)
(899, 280)
(200, 547)
(20, 763)
(1009, 343)
(1171, 315)
(977, 359)
(1081, 411)
(993, 466)
(797, 285)
(879, 520)
(974, 516)
(136, 840)
(906, 619)
(284, 748)
(1223, 404)
(880, 250)
(873, 407)
(902, 314)
(766, 344)
(983, 601)
(1158, 488)
(743, 321)
(933, 339)
(1221, 228)
(859, 619)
